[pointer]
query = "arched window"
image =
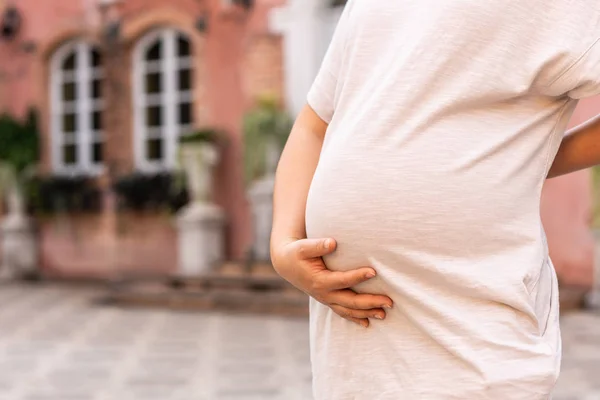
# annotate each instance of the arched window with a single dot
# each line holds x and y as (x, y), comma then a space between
(76, 109)
(163, 100)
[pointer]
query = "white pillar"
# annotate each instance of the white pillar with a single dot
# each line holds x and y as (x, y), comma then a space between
(261, 202)
(19, 246)
(200, 239)
(200, 224)
(306, 26)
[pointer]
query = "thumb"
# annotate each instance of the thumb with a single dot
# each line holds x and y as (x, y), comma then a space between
(313, 248)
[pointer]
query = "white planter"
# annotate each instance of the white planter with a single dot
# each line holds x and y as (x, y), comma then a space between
(19, 244)
(273, 152)
(261, 201)
(200, 228)
(198, 160)
(260, 196)
(200, 224)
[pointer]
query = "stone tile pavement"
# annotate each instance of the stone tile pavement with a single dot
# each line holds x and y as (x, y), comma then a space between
(56, 344)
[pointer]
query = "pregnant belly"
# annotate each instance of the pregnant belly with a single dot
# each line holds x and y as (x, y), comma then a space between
(429, 232)
(391, 205)
(460, 257)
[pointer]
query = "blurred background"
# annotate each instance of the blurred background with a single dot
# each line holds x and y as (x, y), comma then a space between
(138, 142)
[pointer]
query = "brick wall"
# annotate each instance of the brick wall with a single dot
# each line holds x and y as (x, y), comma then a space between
(107, 244)
(264, 66)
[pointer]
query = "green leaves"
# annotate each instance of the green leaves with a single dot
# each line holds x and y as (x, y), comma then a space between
(140, 192)
(19, 149)
(206, 135)
(56, 194)
(264, 124)
(19, 141)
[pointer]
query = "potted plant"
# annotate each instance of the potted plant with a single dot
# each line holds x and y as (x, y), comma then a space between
(198, 155)
(266, 129)
(55, 194)
(139, 192)
(201, 222)
(18, 158)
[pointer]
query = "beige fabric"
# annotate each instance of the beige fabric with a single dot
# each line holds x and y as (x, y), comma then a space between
(444, 119)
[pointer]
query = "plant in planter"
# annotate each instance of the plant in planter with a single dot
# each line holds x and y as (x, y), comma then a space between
(201, 222)
(55, 194)
(150, 192)
(266, 129)
(198, 155)
(18, 158)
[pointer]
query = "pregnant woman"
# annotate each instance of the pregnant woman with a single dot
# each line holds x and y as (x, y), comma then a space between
(407, 200)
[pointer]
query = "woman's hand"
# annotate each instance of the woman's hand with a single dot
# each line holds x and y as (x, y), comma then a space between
(300, 263)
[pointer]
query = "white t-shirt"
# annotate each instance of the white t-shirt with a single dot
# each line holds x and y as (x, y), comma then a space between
(444, 118)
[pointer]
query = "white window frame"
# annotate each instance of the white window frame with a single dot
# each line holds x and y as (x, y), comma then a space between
(83, 106)
(168, 98)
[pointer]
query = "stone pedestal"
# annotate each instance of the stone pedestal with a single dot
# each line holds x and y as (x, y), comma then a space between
(201, 239)
(19, 246)
(261, 201)
(200, 225)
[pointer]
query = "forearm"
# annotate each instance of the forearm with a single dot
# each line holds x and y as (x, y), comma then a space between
(294, 176)
(579, 149)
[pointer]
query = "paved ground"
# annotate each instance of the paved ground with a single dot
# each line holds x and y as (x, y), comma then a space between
(55, 344)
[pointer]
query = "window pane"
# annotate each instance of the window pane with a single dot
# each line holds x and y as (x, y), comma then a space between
(70, 61)
(183, 46)
(69, 154)
(155, 51)
(154, 149)
(185, 79)
(97, 152)
(96, 58)
(154, 116)
(153, 83)
(96, 89)
(185, 114)
(69, 123)
(97, 120)
(69, 91)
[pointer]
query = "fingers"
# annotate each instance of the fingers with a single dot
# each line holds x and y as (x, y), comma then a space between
(351, 300)
(351, 314)
(362, 322)
(332, 280)
(313, 248)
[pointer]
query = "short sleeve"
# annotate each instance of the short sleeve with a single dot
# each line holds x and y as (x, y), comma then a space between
(582, 78)
(321, 96)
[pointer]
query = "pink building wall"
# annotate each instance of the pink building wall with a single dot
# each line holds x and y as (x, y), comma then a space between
(231, 35)
(567, 215)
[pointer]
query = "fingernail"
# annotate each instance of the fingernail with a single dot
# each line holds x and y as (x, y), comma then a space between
(328, 243)
(378, 316)
(370, 275)
(365, 324)
(388, 306)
